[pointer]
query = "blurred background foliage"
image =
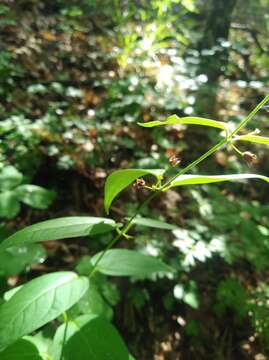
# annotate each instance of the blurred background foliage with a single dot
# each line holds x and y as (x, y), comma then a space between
(75, 77)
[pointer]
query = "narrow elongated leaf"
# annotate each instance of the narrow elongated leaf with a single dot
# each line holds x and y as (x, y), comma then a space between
(89, 337)
(38, 302)
(122, 262)
(35, 196)
(207, 179)
(253, 138)
(10, 177)
(120, 179)
(157, 224)
(174, 119)
(61, 228)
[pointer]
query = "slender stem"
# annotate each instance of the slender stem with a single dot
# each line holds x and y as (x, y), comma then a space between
(65, 333)
(236, 149)
(195, 162)
(250, 116)
(152, 195)
(123, 231)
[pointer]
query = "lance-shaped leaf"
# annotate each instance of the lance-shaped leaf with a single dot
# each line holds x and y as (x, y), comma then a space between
(89, 337)
(122, 262)
(157, 224)
(38, 302)
(120, 179)
(61, 228)
(207, 179)
(253, 138)
(174, 119)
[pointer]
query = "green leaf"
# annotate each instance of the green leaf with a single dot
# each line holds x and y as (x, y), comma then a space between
(207, 179)
(253, 138)
(35, 196)
(120, 179)
(157, 224)
(89, 337)
(122, 262)
(174, 119)
(8, 294)
(10, 177)
(61, 228)
(15, 259)
(9, 204)
(92, 302)
(23, 349)
(38, 302)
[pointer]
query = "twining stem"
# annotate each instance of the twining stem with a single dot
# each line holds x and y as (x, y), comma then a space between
(155, 192)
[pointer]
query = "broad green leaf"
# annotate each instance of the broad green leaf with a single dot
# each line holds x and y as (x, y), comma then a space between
(15, 259)
(10, 177)
(122, 262)
(35, 196)
(207, 179)
(61, 228)
(23, 349)
(120, 179)
(38, 302)
(174, 119)
(89, 337)
(157, 224)
(253, 138)
(9, 204)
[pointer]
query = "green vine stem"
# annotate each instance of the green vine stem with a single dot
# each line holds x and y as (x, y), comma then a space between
(189, 167)
(65, 333)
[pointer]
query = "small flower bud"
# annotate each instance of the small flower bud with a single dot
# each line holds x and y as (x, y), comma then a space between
(249, 157)
(174, 161)
(139, 183)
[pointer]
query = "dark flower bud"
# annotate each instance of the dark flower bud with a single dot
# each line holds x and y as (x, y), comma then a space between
(249, 157)
(174, 161)
(139, 183)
